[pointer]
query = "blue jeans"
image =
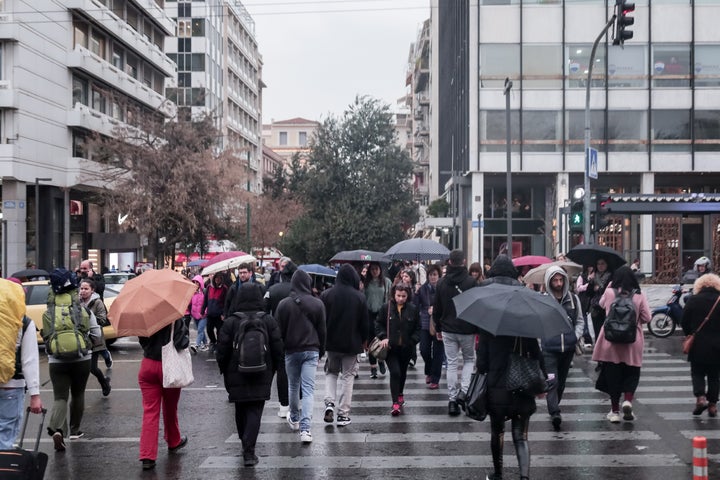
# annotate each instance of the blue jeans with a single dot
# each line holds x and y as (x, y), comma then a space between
(201, 324)
(301, 368)
(12, 401)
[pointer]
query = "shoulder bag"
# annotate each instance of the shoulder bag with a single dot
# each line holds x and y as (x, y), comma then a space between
(176, 366)
(524, 375)
(375, 348)
(475, 404)
(687, 342)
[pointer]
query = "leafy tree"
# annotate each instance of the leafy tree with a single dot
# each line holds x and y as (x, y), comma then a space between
(438, 208)
(170, 177)
(354, 186)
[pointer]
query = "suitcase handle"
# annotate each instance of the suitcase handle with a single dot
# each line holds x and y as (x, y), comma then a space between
(25, 423)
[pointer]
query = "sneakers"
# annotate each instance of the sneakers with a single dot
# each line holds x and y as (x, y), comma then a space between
(58, 441)
(433, 386)
(383, 369)
(305, 437)
(401, 400)
(395, 410)
(627, 410)
(106, 387)
(373, 373)
(428, 379)
(453, 408)
(614, 417)
(193, 349)
(283, 411)
(329, 412)
(250, 459)
(294, 426)
(108, 360)
(363, 356)
(700, 406)
(75, 436)
(202, 347)
(183, 442)
(712, 410)
(556, 422)
(148, 464)
(342, 420)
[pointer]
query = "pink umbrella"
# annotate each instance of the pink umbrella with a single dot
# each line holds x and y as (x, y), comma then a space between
(225, 256)
(531, 261)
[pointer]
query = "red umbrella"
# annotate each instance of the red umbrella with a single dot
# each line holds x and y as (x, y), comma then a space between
(225, 256)
(531, 261)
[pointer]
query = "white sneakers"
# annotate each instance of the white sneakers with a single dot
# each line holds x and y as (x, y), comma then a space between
(614, 417)
(305, 437)
(294, 426)
(627, 410)
(283, 411)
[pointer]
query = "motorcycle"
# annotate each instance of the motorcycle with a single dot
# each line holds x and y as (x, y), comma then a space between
(666, 319)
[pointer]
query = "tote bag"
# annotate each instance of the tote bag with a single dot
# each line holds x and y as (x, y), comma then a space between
(476, 398)
(176, 366)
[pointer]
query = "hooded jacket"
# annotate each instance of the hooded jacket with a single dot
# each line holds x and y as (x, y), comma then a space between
(576, 320)
(346, 313)
(215, 294)
(280, 290)
(246, 387)
(198, 299)
(301, 317)
(456, 280)
(706, 347)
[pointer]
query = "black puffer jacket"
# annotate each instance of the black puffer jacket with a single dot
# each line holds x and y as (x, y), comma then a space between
(302, 317)
(706, 347)
(456, 280)
(246, 387)
(152, 345)
(346, 313)
(404, 327)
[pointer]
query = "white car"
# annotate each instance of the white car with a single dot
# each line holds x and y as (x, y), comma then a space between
(117, 280)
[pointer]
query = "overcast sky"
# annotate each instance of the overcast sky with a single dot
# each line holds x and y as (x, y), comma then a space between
(319, 54)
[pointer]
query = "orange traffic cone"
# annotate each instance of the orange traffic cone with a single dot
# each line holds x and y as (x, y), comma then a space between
(700, 461)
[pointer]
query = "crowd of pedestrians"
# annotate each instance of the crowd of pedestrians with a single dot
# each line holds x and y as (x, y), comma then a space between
(303, 327)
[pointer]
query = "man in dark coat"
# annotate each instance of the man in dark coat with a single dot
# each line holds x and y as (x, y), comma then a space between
(87, 270)
(248, 391)
(347, 324)
(457, 336)
(302, 324)
(246, 274)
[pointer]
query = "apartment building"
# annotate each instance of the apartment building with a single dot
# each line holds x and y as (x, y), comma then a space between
(654, 111)
(288, 137)
(68, 69)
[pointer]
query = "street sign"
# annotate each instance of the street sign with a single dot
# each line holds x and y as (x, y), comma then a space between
(592, 163)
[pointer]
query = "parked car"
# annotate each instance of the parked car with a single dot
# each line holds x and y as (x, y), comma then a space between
(117, 280)
(36, 294)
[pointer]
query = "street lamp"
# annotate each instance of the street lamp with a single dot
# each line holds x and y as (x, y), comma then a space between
(37, 217)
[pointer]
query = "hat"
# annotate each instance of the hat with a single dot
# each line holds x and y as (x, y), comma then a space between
(62, 280)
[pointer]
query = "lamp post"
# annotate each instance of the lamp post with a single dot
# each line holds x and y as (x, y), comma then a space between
(249, 228)
(37, 217)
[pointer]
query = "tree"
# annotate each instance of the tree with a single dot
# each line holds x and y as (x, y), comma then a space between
(438, 208)
(170, 177)
(355, 186)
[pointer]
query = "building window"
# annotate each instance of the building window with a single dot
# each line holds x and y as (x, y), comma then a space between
(707, 130)
(97, 44)
(118, 57)
(184, 29)
(283, 138)
(98, 100)
(492, 135)
(671, 65)
(80, 34)
(198, 62)
(670, 130)
(542, 66)
(80, 91)
(131, 68)
(498, 61)
(707, 65)
(577, 60)
(627, 131)
(627, 67)
(540, 131)
(576, 129)
(184, 79)
(198, 27)
(302, 137)
(184, 45)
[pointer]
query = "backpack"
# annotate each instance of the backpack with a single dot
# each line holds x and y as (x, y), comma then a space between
(18, 350)
(12, 310)
(621, 321)
(250, 345)
(66, 325)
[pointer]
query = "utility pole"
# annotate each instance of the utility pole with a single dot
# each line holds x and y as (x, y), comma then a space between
(508, 175)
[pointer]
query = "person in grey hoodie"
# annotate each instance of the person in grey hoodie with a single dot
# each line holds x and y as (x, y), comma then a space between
(301, 318)
(347, 324)
(558, 351)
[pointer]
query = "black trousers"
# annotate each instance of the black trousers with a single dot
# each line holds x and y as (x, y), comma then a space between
(95, 370)
(559, 364)
(281, 381)
(397, 361)
(213, 324)
(371, 334)
(519, 426)
(698, 372)
(433, 353)
(247, 420)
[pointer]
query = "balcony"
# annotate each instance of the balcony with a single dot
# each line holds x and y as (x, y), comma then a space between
(423, 99)
(8, 95)
(85, 117)
(8, 27)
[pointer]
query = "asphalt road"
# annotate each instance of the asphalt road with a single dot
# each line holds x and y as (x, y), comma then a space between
(425, 443)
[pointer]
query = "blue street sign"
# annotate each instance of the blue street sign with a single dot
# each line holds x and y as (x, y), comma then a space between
(591, 168)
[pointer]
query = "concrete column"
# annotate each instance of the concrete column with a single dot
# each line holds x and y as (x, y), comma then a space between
(647, 240)
(14, 201)
(478, 202)
(562, 195)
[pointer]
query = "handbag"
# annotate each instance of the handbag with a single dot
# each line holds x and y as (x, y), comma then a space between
(524, 375)
(375, 348)
(176, 366)
(475, 404)
(687, 342)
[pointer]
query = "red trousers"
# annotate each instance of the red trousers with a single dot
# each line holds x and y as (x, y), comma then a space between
(154, 396)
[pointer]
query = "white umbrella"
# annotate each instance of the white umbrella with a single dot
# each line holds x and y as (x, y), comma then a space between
(228, 264)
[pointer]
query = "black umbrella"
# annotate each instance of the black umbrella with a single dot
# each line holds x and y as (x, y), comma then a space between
(512, 311)
(349, 256)
(31, 273)
(417, 249)
(590, 254)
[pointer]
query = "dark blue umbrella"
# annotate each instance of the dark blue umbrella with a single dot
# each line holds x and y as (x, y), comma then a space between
(315, 269)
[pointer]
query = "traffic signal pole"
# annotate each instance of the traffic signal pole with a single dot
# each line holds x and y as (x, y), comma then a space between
(586, 197)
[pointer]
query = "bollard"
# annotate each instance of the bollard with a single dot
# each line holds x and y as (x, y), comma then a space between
(700, 461)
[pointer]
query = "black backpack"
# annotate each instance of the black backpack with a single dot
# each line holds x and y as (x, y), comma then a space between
(621, 321)
(250, 345)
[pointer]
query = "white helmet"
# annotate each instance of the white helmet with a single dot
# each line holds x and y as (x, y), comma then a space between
(703, 261)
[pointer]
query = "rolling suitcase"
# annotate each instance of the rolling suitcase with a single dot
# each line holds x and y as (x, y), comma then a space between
(23, 464)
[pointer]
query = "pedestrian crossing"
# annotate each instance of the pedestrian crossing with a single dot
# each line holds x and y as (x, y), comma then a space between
(426, 443)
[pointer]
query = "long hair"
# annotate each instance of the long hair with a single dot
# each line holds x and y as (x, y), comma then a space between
(624, 279)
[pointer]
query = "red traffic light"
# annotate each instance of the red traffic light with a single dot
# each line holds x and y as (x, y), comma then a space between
(623, 20)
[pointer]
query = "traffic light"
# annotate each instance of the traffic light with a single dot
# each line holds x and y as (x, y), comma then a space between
(602, 209)
(577, 218)
(623, 21)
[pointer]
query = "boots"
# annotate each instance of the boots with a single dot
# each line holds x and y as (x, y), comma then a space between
(712, 409)
(701, 405)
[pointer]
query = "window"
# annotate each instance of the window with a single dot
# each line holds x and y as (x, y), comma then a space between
(198, 27)
(80, 91)
(707, 130)
(542, 66)
(540, 131)
(626, 67)
(576, 129)
(671, 65)
(80, 34)
(577, 60)
(627, 131)
(184, 45)
(498, 61)
(670, 130)
(184, 79)
(78, 145)
(98, 99)
(283, 138)
(198, 62)
(131, 68)
(97, 44)
(183, 28)
(118, 56)
(492, 139)
(184, 10)
(302, 138)
(198, 97)
(133, 18)
(707, 65)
